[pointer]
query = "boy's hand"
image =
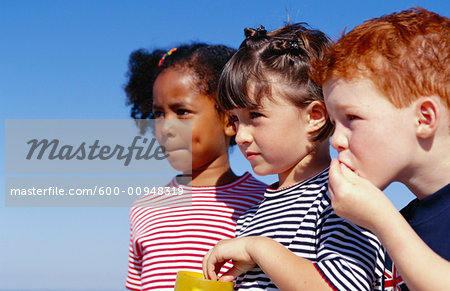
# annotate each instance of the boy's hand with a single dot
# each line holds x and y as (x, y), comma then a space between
(228, 249)
(356, 199)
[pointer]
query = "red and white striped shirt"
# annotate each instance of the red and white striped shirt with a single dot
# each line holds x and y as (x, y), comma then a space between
(169, 238)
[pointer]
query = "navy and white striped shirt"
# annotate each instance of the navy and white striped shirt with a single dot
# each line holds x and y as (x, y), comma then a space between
(301, 218)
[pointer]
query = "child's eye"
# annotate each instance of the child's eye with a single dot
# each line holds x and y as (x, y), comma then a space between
(158, 114)
(182, 112)
(254, 115)
(351, 117)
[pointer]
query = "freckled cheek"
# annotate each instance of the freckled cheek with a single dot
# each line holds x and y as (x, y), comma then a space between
(365, 155)
(358, 147)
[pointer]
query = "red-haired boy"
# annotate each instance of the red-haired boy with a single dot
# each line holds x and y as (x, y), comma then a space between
(386, 85)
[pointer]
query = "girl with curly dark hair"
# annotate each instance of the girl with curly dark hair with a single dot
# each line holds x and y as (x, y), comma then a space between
(169, 86)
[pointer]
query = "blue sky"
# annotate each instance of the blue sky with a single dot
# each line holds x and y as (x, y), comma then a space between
(68, 59)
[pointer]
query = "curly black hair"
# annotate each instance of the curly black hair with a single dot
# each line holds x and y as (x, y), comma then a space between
(205, 61)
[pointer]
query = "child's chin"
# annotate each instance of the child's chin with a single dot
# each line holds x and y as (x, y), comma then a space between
(181, 166)
(261, 172)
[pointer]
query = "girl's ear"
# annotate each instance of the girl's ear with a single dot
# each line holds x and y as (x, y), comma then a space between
(316, 116)
(427, 114)
(228, 125)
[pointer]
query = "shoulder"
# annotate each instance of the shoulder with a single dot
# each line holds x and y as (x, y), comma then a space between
(249, 179)
(247, 183)
(434, 205)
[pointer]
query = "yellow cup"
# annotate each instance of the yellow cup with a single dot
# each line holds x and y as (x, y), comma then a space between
(192, 281)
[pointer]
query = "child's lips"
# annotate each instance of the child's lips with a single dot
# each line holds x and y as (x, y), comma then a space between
(173, 148)
(347, 165)
(251, 155)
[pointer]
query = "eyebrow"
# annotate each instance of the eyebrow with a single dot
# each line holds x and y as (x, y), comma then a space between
(257, 107)
(180, 104)
(176, 105)
(343, 106)
(250, 108)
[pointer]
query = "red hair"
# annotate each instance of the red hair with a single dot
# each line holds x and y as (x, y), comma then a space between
(406, 55)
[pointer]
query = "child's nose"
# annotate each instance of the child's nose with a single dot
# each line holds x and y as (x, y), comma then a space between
(243, 135)
(166, 127)
(339, 141)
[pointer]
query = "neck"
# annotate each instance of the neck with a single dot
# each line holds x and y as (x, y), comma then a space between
(429, 179)
(430, 171)
(212, 174)
(312, 164)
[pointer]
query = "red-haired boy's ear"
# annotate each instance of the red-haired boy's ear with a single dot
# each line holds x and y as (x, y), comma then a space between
(316, 116)
(427, 113)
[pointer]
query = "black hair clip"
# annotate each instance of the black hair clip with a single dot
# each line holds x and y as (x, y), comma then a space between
(294, 48)
(260, 31)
